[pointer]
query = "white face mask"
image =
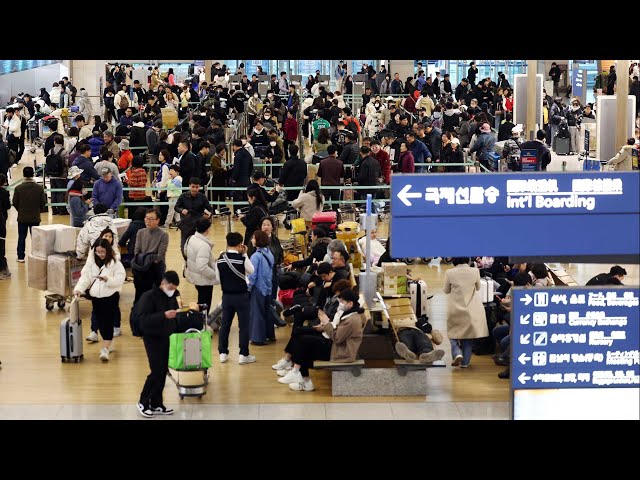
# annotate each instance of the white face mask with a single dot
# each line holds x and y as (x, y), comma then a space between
(169, 293)
(267, 117)
(377, 105)
(255, 96)
(273, 144)
(342, 307)
(244, 142)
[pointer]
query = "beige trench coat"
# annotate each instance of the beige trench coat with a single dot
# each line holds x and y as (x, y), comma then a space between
(466, 318)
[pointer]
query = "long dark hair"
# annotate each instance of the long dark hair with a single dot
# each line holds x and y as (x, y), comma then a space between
(109, 257)
(312, 186)
(259, 198)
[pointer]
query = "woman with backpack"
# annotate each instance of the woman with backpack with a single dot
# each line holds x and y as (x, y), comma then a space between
(257, 211)
(261, 326)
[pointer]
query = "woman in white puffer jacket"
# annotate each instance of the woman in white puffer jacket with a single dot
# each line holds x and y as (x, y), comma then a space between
(200, 260)
(54, 94)
(104, 279)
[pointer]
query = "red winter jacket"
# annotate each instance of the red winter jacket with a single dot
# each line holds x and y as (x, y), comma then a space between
(290, 129)
(385, 164)
(407, 162)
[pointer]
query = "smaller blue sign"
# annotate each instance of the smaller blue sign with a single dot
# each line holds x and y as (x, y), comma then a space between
(529, 159)
(577, 83)
(583, 337)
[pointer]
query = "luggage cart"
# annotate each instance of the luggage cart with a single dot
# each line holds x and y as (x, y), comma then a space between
(34, 128)
(74, 270)
(193, 390)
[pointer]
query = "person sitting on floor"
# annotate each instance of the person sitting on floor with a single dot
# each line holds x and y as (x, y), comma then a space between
(339, 342)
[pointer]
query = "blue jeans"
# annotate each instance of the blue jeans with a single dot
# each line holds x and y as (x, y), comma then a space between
(23, 229)
(501, 334)
(465, 351)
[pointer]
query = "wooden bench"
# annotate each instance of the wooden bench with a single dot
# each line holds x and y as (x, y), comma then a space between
(405, 366)
(561, 277)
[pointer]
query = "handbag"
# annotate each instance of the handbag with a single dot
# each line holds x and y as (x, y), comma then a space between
(86, 292)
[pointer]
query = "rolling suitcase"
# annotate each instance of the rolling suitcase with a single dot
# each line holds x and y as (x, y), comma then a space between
(486, 290)
(418, 291)
(562, 145)
(71, 335)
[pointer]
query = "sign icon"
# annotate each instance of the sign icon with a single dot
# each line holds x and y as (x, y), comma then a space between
(539, 359)
(541, 299)
(523, 378)
(526, 299)
(524, 319)
(524, 339)
(539, 339)
(539, 319)
(404, 195)
(524, 359)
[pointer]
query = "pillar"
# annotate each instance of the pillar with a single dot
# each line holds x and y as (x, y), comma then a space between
(207, 71)
(403, 67)
(622, 93)
(530, 127)
(87, 74)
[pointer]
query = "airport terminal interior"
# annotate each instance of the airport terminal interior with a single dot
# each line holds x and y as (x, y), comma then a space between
(386, 120)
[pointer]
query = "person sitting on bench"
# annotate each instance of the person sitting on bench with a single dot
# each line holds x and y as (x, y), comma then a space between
(414, 342)
(339, 341)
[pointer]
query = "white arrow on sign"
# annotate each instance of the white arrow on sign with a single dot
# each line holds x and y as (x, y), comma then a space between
(524, 339)
(523, 378)
(404, 194)
(523, 358)
(524, 319)
(526, 299)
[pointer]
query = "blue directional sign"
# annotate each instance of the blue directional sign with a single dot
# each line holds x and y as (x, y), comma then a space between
(515, 214)
(581, 337)
(577, 83)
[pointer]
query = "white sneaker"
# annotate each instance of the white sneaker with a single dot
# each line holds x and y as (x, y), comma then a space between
(224, 357)
(246, 359)
(104, 355)
(116, 332)
(457, 361)
(93, 337)
(304, 386)
(292, 376)
(112, 347)
(284, 371)
(283, 364)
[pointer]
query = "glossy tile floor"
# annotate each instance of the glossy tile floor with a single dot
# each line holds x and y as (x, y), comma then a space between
(282, 411)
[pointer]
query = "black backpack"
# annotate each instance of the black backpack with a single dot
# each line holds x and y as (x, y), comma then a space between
(135, 321)
(54, 166)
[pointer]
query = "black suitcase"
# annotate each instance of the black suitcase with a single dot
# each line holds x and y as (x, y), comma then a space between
(562, 145)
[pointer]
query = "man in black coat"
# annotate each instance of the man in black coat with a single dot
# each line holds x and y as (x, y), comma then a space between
(293, 173)
(241, 172)
(186, 161)
(4, 157)
(543, 154)
(159, 319)
(368, 173)
(614, 277)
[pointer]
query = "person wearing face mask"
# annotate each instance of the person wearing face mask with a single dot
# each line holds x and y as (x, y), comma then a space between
(573, 113)
(157, 313)
(268, 120)
(252, 107)
(340, 340)
(259, 139)
(274, 154)
(246, 143)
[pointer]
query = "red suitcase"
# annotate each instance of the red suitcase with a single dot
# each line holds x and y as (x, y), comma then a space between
(328, 220)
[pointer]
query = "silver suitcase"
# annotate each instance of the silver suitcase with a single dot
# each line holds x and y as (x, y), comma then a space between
(418, 291)
(487, 290)
(71, 335)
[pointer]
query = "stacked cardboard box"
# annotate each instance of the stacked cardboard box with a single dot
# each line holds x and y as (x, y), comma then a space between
(395, 278)
(45, 241)
(63, 273)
